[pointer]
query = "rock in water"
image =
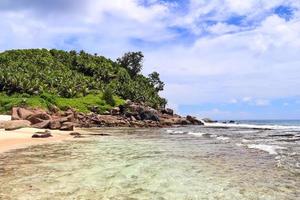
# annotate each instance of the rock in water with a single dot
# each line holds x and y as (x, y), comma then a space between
(194, 120)
(75, 134)
(44, 134)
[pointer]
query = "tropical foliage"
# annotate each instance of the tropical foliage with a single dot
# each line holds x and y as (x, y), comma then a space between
(77, 74)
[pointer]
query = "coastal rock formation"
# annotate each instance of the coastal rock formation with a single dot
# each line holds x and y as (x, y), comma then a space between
(130, 114)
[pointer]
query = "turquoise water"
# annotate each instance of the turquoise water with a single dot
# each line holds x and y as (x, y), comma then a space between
(177, 163)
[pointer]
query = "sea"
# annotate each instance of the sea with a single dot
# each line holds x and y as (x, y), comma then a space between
(240, 160)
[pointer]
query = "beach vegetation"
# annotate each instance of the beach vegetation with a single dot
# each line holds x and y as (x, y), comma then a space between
(38, 77)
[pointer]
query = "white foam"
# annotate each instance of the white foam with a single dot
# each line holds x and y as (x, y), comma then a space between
(222, 138)
(239, 144)
(169, 131)
(267, 148)
(174, 132)
(250, 126)
(199, 134)
(245, 141)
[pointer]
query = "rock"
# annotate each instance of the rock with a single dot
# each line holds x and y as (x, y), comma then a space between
(75, 134)
(24, 113)
(132, 118)
(122, 109)
(115, 111)
(69, 118)
(15, 114)
(39, 117)
(43, 124)
(194, 120)
(2, 123)
(53, 109)
(147, 115)
(167, 122)
(184, 122)
(67, 126)
(167, 111)
(208, 120)
(16, 124)
(78, 136)
(55, 124)
(45, 134)
(106, 113)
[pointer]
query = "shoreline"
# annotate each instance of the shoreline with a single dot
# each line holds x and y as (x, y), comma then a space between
(22, 138)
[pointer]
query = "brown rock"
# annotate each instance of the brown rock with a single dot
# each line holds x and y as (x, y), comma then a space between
(45, 134)
(167, 111)
(194, 120)
(14, 114)
(67, 126)
(43, 124)
(55, 124)
(24, 113)
(69, 118)
(2, 123)
(53, 109)
(75, 134)
(115, 111)
(39, 117)
(16, 124)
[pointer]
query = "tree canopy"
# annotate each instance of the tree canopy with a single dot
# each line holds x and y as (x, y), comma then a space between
(77, 74)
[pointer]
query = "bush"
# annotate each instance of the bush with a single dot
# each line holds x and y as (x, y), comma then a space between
(108, 96)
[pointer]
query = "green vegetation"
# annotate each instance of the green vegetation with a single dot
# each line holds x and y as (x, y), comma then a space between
(82, 104)
(41, 77)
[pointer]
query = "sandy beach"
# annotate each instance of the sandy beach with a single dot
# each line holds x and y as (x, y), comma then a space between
(23, 137)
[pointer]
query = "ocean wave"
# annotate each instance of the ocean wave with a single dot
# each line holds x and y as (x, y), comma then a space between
(271, 149)
(251, 126)
(222, 138)
(175, 132)
(199, 134)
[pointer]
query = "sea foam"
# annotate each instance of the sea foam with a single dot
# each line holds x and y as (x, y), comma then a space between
(267, 148)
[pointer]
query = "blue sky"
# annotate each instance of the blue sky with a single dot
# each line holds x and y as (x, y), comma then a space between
(224, 59)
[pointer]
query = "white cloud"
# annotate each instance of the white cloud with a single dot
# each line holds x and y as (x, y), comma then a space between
(262, 102)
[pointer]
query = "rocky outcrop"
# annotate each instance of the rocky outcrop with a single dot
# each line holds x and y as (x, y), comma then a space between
(194, 120)
(128, 115)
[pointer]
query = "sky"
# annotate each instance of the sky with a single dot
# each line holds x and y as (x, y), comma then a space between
(223, 59)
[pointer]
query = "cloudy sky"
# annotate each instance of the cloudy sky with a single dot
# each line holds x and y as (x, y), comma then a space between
(225, 59)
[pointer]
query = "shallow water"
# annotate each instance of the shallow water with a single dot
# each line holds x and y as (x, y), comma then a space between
(179, 163)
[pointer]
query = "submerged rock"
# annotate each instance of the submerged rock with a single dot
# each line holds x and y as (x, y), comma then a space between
(75, 134)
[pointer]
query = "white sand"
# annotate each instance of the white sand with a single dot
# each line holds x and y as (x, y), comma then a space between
(5, 117)
(23, 137)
